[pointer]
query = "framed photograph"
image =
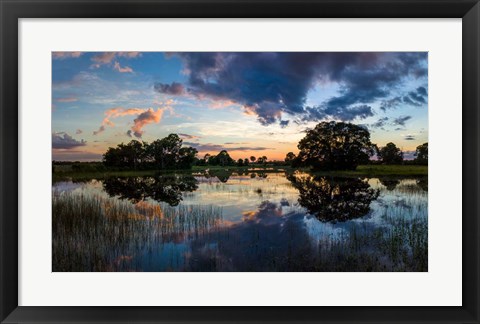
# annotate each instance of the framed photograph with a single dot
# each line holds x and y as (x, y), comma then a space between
(239, 161)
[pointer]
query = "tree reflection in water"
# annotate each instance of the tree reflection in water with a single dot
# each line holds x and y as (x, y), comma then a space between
(389, 183)
(166, 188)
(333, 199)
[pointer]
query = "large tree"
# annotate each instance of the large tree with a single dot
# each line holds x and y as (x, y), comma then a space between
(421, 154)
(336, 146)
(390, 154)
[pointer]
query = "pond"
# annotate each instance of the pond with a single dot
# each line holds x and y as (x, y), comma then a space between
(253, 221)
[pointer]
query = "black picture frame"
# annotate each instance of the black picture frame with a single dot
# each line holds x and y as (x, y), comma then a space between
(12, 10)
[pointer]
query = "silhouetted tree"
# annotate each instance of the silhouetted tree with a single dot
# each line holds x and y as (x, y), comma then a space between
(290, 157)
(252, 158)
(240, 162)
(390, 154)
(246, 162)
(335, 146)
(264, 159)
(421, 154)
(223, 158)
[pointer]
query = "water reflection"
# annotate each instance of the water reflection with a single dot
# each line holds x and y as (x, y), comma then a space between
(249, 221)
(166, 188)
(389, 183)
(332, 198)
(267, 240)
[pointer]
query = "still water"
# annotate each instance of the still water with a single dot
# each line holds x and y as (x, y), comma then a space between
(252, 221)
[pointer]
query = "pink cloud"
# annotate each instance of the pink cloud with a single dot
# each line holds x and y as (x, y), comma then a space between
(120, 69)
(68, 99)
(145, 116)
(129, 54)
(148, 117)
(108, 57)
(65, 55)
(104, 58)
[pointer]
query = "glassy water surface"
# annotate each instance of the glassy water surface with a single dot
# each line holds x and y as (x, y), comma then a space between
(252, 221)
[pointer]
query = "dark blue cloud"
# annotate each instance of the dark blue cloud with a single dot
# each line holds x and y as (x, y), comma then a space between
(62, 140)
(348, 113)
(284, 123)
(174, 88)
(271, 84)
(418, 97)
(380, 123)
(401, 120)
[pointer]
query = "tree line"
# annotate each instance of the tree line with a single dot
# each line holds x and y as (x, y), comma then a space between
(329, 146)
(168, 153)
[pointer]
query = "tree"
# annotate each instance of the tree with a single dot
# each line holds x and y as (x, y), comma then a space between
(290, 157)
(264, 159)
(335, 146)
(253, 159)
(222, 158)
(246, 162)
(421, 154)
(206, 158)
(131, 155)
(165, 151)
(240, 162)
(390, 154)
(186, 157)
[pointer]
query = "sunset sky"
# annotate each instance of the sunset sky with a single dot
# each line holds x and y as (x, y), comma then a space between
(247, 103)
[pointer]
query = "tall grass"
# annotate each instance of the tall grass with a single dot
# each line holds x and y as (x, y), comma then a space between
(401, 245)
(94, 233)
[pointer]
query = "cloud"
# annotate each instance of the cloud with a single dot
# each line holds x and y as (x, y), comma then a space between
(107, 58)
(409, 137)
(78, 131)
(284, 123)
(67, 99)
(144, 117)
(120, 69)
(380, 123)
(391, 103)
(417, 98)
(209, 147)
(187, 136)
(147, 117)
(171, 89)
(65, 55)
(272, 84)
(62, 140)
(401, 120)
(346, 114)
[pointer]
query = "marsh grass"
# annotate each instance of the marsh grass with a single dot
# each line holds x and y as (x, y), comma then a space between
(94, 233)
